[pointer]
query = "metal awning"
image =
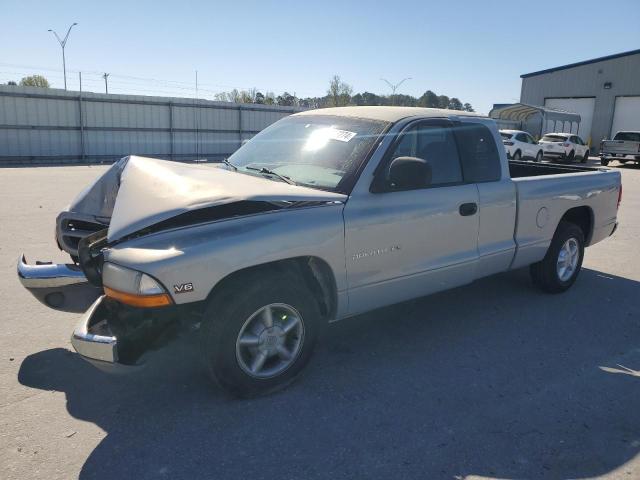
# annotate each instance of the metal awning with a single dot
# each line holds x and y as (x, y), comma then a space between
(521, 111)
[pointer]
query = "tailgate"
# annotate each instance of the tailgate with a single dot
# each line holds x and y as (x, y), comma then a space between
(621, 147)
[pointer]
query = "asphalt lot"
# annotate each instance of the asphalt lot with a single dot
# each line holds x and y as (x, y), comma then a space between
(491, 380)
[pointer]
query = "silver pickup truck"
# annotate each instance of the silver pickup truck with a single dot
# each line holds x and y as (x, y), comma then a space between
(624, 147)
(323, 215)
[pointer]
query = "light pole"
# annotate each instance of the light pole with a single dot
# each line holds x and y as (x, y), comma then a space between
(394, 87)
(63, 43)
(106, 86)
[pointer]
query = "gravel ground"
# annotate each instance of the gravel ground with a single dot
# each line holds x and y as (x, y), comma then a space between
(491, 380)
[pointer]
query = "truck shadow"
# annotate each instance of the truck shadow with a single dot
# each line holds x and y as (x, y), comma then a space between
(491, 379)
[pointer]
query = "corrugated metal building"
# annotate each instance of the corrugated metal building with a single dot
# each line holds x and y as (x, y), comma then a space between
(46, 125)
(604, 91)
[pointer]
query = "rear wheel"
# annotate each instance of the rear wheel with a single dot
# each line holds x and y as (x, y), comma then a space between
(572, 156)
(560, 267)
(259, 333)
(604, 162)
(585, 157)
(539, 156)
(517, 155)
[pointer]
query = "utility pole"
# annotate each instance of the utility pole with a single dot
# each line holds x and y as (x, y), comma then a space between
(196, 118)
(106, 86)
(63, 43)
(394, 87)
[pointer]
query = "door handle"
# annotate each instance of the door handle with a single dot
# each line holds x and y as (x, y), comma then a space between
(467, 209)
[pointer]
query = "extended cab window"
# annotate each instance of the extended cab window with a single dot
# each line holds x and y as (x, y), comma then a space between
(478, 152)
(437, 145)
(628, 136)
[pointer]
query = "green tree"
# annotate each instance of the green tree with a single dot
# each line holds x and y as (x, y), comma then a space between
(443, 101)
(286, 100)
(259, 98)
(403, 100)
(339, 92)
(455, 104)
(429, 100)
(35, 81)
(11, 82)
(468, 108)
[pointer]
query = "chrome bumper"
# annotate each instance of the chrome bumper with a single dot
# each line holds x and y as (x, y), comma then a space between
(58, 286)
(92, 338)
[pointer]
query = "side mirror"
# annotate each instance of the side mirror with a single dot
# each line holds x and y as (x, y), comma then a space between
(408, 173)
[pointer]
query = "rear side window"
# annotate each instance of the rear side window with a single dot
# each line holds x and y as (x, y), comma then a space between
(628, 136)
(521, 137)
(478, 152)
(554, 138)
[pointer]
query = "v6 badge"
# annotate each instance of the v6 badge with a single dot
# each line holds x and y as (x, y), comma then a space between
(183, 288)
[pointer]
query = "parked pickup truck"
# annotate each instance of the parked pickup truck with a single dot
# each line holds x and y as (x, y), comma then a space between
(323, 215)
(624, 147)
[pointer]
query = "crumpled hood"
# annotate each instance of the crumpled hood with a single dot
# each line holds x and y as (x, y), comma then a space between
(153, 190)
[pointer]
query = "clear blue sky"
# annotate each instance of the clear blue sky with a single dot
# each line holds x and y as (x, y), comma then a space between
(475, 50)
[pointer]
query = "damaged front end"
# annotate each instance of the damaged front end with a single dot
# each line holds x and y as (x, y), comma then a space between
(117, 337)
(138, 197)
(111, 335)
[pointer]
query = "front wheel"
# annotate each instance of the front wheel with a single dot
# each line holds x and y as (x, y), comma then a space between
(571, 156)
(604, 162)
(560, 267)
(517, 155)
(258, 334)
(585, 157)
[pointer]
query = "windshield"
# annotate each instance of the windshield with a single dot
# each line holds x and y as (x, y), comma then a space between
(554, 138)
(628, 136)
(506, 136)
(315, 151)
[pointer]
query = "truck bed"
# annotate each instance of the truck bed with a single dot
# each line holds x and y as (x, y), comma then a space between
(519, 168)
(545, 192)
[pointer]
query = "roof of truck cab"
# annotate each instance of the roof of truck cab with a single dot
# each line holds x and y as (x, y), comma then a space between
(388, 114)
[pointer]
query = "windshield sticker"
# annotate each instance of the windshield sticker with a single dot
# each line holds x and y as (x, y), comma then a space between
(320, 137)
(341, 135)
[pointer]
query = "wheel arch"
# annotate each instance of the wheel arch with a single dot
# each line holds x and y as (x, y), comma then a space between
(315, 272)
(582, 217)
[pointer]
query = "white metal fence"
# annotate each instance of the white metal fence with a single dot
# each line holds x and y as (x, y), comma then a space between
(48, 126)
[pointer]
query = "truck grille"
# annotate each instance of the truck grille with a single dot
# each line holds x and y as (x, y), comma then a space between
(72, 227)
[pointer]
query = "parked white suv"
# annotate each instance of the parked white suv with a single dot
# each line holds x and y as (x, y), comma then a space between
(566, 146)
(519, 144)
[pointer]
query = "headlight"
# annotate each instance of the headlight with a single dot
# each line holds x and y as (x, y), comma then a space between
(132, 287)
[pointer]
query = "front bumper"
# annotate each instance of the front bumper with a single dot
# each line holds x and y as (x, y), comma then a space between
(92, 337)
(112, 336)
(118, 339)
(59, 286)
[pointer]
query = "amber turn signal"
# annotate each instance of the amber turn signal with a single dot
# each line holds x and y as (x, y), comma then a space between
(144, 301)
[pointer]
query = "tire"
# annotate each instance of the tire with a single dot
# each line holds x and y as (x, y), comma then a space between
(572, 156)
(517, 155)
(585, 157)
(547, 274)
(235, 311)
(604, 162)
(539, 156)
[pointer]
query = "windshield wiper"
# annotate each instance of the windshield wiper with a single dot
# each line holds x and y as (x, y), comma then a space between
(228, 163)
(271, 172)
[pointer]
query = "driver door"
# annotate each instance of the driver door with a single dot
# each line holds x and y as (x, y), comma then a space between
(405, 244)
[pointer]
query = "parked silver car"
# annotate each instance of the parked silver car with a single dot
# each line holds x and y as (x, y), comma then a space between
(323, 215)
